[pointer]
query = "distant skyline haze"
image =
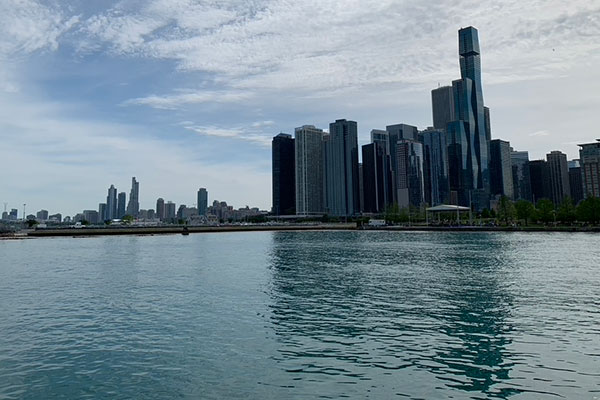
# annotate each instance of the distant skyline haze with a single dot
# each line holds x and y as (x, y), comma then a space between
(187, 94)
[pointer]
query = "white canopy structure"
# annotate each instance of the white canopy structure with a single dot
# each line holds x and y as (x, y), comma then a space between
(446, 208)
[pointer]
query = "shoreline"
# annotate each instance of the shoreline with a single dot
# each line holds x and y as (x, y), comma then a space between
(173, 230)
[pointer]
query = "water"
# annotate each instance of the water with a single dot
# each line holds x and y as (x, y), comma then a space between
(302, 315)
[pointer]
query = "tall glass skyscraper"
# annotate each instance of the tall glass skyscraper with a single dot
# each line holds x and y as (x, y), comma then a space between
(473, 182)
(341, 169)
(133, 207)
(283, 174)
(309, 170)
(435, 166)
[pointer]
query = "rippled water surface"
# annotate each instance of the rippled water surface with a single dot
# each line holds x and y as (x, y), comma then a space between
(302, 315)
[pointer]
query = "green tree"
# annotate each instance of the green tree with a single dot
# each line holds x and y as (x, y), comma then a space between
(85, 222)
(485, 213)
(506, 209)
(31, 223)
(392, 214)
(127, 219)
(545, 210)
(589, 210)
(566, 212)
(525, 210)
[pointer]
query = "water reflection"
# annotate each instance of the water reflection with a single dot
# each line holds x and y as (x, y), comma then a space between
(354, 305)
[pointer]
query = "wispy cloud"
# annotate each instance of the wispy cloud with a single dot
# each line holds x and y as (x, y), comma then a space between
(247, 135)
(170, 102)
(539, 134)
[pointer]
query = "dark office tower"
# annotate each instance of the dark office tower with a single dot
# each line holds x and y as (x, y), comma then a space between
(284, 175)
(361, 187)
(460, 173)
(435, 167)
(133, 207)
(501, 169)
(559, 176)
(520, 174)
(575, 181)
(202, 201)
(309, 170)
(409, 154)
(374, 172)
(160, 208)
(540, 180)
(102, 212)
(111, 203)
(488, 125)
(442, 106)
(121, 201)
(342, 192)
(381, 138)
(589, 157)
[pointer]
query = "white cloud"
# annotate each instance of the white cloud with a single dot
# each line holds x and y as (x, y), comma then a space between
(247, 135)
(539, 133)
(170, 102)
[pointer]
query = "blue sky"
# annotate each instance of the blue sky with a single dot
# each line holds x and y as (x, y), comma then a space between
(185, 94)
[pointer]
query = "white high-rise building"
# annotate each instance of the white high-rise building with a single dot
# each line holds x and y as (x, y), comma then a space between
(309, 170)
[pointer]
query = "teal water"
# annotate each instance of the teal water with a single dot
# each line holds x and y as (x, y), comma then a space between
(302, 315)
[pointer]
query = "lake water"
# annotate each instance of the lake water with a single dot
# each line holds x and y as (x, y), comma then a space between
(302, 315)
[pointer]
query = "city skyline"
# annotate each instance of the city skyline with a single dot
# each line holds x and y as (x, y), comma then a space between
(91, 95)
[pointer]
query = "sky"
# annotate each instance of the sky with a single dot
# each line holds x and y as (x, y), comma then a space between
(185, 94)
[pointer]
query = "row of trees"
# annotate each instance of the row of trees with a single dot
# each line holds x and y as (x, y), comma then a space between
(587, 211)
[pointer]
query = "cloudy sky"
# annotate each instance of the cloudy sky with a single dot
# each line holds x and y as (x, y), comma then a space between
(185, 94)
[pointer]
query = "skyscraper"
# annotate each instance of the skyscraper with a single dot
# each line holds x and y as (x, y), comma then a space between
(469, 109)
(377, 177)
(309, 170)
(410, 173)
(501, 169)
(396, 133)
(170, 211)
(442, 106)
(435, 167)
(160, 208)
(589, 157)
(576, 181)
(133, 207)
(520, 174)
(202, 201)
(559, 176)
(102, 212)
(121, 200)
(111, 203)
(342, 192)
(540, 180)
(283, 175)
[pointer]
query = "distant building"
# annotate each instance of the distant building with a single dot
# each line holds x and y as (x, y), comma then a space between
(520, 175)
(559, 176)
(170, 211)
(151, 214)
(42, 215)
(202, 201)
(160, 209)
(309, 170)
(55, 217)
(342, 192)
(13, 215)
(589, 157)
(283, 174)
(410, 185)
(133, 207)
(540, 180)
(181, 211)
(396, 133)
(377, 177)
(102, 212)
(111, 203)
(442, 105)
(575, 181)
(501, 169)
(91, 216)
(121, 201)
(435, 167)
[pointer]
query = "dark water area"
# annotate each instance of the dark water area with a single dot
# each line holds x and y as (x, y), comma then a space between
(302, 315)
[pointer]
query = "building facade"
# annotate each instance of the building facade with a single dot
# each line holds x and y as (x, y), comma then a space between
(589, 157)
(442, 106)
(202, 201)
(410, 185)
(121, 201)
(283, 174)
(501, 169)
(342, 186)
(133, 207)
(435, 167)
(520, 175)
(309, 170)
(111, 203)
(540, 180)
(559, 176)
